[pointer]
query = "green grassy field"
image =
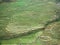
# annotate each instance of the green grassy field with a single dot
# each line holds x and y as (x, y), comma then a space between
(23, 16)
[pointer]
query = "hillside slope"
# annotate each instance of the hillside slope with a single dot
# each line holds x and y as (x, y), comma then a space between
(21, 21)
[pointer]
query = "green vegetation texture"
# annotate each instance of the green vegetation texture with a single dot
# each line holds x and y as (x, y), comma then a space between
(29, 22)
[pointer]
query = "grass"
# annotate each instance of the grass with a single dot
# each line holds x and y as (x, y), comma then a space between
(21, 40)
(23, 15)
